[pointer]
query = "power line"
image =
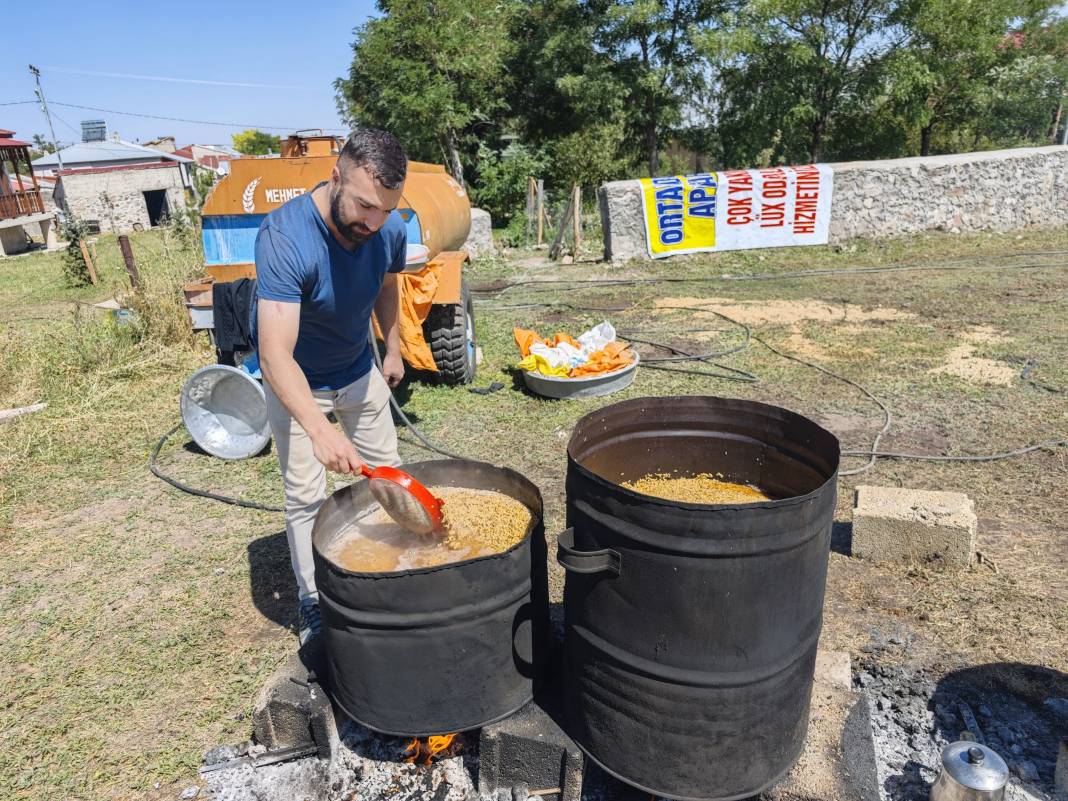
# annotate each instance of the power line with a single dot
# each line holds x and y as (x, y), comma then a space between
(168, 79)
(75, 130)
(182, 119)
(18, 103)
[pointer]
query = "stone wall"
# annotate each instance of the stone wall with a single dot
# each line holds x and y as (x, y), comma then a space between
(115, 197)
(998, 190)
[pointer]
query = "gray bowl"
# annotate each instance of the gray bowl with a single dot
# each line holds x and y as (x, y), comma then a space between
(225, 411)
(587, 387)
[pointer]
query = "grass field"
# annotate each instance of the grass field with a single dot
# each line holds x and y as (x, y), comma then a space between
(138, 621)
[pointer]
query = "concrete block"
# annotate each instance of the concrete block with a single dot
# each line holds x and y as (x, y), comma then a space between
(529, 749)
(622, 220)
(834, 668)
(892, 524)
(480, 239)
(292, 710)
(13, 239)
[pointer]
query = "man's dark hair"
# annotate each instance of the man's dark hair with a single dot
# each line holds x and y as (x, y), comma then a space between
(378, 151)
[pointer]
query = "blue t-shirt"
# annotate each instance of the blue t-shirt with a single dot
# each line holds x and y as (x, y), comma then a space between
(299, 261)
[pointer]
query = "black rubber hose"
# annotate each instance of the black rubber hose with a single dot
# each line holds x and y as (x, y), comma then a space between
(198, 492)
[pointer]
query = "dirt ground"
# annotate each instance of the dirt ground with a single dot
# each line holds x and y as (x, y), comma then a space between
(139, 621)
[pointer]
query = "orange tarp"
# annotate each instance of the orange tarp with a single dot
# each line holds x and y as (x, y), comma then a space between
(416, 297)
(524, 339)
(611, 357)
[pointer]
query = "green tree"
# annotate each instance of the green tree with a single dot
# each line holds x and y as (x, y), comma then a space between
(962, 55)
(432, 74)
(792, 67)
(1051, 39)
(256, 143)
(41, 147)
(565, 97)
(502, 180)
(651, 46)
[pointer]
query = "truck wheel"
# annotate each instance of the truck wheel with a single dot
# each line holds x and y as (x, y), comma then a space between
(450, 332)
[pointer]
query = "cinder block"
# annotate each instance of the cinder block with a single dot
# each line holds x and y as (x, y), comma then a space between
(293, 710)
(529, 748)
(891, 524)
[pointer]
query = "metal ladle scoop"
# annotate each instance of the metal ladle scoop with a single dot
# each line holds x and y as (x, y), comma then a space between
(410, 504)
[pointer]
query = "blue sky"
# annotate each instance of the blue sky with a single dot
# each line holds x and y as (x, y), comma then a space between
(281, 44)
(296, 48)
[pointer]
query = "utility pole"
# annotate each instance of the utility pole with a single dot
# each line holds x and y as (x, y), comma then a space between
(44, 107)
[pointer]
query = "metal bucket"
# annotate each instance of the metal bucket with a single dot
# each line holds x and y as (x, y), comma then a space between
(225, 411)
(691, 629)
(590, 386)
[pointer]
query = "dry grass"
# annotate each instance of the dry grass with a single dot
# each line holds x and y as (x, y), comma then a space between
(139, 621)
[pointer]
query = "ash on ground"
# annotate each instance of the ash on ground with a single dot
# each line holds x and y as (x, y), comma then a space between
(368, 767)
(1020, 711)
(371, 767)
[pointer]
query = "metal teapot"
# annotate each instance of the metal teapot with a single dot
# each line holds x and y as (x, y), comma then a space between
(970, 772)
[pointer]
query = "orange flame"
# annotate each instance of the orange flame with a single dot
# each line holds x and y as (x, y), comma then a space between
(424, 752)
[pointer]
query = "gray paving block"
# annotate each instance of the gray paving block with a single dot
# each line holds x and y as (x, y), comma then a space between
(292, 709)
(894, 524)
(529, 749)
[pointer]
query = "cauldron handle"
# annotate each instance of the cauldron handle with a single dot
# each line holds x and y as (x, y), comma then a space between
(604, 560)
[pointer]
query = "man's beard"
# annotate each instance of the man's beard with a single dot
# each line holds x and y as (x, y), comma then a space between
(356, 233)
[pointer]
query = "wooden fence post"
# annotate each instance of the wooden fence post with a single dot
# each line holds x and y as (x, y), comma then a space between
(530, 207)
(88, 261)
(131, 265)
(576, 217)
(558, 240)
(540, 189)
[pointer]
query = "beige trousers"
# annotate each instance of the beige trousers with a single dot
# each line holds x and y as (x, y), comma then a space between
(362, 408)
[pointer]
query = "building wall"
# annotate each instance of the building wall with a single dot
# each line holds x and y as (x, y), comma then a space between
(115, 197)
(999, 190)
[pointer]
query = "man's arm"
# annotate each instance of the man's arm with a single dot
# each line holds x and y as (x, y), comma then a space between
(387, 312)
(278, 324)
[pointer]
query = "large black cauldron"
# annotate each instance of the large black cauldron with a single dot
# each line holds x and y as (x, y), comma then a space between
(441, 649)
(692, 629)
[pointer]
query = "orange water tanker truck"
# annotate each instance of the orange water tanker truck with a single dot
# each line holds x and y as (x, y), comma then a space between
(437, 316)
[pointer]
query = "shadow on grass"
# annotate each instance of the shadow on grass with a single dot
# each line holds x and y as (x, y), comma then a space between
(192, 447)
(272, 586)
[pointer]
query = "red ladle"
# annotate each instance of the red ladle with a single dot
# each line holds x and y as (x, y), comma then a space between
(407, 501)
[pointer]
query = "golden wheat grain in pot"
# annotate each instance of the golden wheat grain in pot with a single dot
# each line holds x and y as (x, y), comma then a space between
(475, 523)
(702, 488)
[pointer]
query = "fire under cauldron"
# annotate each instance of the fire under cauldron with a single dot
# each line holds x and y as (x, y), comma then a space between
(441, 649)
(691, 630)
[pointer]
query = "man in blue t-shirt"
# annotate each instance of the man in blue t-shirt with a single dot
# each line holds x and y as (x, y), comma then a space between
(324, 261)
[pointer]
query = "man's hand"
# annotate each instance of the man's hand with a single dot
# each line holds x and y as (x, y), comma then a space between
(392, 369)
(335, 450)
